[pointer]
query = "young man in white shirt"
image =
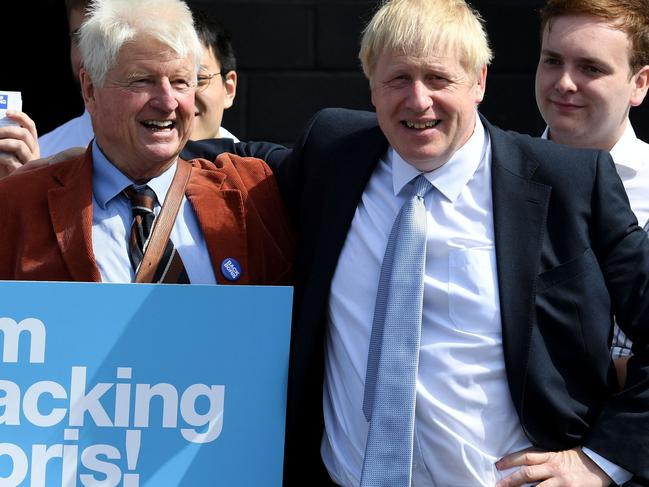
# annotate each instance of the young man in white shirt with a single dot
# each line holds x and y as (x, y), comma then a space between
(593, 68)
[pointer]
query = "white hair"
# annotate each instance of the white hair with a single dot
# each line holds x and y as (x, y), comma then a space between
(110, 24)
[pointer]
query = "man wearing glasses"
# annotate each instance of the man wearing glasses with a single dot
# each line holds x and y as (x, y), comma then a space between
(217, 78)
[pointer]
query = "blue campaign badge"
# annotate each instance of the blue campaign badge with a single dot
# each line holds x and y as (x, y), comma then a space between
(231, 269)
(4, 101)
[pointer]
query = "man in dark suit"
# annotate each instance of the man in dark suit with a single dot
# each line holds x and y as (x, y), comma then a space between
(530, 247)
(593, 70)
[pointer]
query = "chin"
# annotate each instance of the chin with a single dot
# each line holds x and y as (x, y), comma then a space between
(163, 153)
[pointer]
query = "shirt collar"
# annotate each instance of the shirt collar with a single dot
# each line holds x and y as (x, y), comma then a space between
(621, 152)
(450, 178)
(108, 181)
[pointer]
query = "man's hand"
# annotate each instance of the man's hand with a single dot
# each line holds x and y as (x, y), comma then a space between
(569, 468)
(18, 144)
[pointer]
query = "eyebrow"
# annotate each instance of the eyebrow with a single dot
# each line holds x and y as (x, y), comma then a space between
(586, 59)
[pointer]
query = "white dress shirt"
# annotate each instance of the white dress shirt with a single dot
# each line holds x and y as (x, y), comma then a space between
(226, 134)
(76, 132)
(465, 419)
(111, 225)
(631, 157)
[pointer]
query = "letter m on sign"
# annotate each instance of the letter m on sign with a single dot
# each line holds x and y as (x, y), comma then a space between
(11, 333)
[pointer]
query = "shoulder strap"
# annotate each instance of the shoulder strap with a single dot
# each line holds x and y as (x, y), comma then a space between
(164, 222)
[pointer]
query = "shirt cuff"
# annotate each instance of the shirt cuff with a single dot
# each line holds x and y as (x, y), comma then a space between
(615, 472)
(619, 352)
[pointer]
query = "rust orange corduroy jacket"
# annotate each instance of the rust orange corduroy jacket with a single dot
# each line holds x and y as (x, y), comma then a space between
(46, 221)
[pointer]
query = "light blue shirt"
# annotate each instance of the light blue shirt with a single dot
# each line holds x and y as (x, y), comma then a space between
(112, 217)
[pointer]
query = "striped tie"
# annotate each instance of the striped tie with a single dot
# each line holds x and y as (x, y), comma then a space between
(170, 269)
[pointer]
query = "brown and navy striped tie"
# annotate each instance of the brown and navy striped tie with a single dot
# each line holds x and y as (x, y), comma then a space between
(171, 269)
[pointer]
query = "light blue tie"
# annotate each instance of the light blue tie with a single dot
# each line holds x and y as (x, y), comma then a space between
(391, 380)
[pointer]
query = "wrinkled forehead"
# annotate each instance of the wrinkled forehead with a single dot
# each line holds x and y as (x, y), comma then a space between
(440, 55)
(153, 57)
(147, 47)
(418, 44)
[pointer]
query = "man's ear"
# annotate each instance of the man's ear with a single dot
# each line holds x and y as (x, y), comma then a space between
(87, 89)
(641, 85)
(230, 83)
(480, 84)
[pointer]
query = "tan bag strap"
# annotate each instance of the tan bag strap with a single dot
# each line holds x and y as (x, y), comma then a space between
(164, 222)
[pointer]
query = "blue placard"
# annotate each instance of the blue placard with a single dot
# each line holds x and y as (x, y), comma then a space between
(4, 100)
(142, 385)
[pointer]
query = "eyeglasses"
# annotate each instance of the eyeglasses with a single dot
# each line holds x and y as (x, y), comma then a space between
(203, 80)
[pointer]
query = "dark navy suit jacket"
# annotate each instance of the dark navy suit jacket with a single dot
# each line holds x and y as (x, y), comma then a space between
(569, 255)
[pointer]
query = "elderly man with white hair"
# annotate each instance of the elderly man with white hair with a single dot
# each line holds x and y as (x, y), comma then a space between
(95, 217)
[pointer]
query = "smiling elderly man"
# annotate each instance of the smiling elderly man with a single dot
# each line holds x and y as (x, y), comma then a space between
(90, 217)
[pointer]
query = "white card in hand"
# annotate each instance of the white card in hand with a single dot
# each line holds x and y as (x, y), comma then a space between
(9, 100)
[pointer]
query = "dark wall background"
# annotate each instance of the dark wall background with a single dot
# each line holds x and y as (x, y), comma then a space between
(295, 56)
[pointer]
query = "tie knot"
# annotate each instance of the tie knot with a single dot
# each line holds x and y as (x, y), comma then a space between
(422, 186)
(142, 198)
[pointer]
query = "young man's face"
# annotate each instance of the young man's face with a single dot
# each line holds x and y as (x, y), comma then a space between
(584, 84)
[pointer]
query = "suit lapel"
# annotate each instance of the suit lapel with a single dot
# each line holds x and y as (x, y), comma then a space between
(70, 206)
(520, 208)
(348, 175)
(220, 213)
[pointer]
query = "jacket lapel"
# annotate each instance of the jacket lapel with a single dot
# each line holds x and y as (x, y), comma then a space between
(70, 206)
(348, 175)
(219, 212)
(520, 207)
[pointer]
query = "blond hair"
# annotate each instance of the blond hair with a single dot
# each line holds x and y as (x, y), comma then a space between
(420, 27)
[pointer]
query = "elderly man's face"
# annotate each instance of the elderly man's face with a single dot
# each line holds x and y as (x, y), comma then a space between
(143, 114)
(426, 107)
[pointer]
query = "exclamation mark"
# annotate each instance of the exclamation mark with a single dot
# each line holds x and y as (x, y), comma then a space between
(133, 438)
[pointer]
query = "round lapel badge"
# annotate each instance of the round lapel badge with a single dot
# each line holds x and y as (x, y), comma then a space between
(231, 269)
